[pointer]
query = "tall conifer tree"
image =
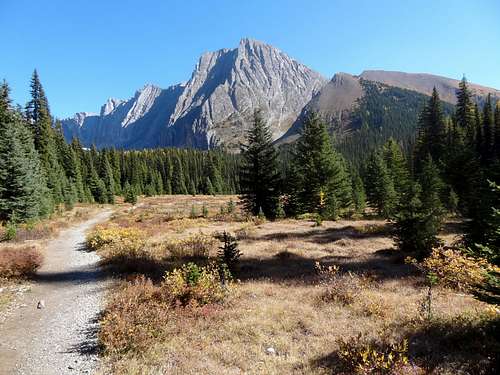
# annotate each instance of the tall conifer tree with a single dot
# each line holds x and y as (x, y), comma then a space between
(259, 176)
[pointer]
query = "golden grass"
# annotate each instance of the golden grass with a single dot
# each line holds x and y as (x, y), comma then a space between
(277, 321)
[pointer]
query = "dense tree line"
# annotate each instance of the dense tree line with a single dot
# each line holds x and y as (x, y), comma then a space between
(40, 171)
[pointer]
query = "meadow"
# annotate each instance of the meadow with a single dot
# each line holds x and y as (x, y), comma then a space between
(305, 299)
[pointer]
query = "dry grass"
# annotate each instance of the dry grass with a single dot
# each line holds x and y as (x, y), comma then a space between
(277, 319)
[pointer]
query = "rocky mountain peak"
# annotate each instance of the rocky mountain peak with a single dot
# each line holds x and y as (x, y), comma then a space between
(216, 105)
(110, 106)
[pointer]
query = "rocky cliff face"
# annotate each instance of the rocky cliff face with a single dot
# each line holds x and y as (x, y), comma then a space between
(214, 107)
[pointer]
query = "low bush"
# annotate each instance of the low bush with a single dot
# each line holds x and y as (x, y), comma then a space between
(114, 235)
(360, 356)
(198, 246)
(246, 232)
(196, 286)
(452, 269)
(20, 262)
(134, 317)
(142, 311)
(343, 288)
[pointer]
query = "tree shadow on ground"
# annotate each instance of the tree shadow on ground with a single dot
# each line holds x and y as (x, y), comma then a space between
(90, 345)
(74, 276)
(287, 266)
(328, 235)
(456, 346)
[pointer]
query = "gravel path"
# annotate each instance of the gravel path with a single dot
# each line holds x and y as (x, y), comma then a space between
(59, 338)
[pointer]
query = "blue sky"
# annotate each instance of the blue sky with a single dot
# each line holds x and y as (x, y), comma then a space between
(89, 50)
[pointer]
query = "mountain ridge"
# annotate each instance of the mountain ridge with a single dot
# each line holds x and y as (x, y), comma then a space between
(216, 105)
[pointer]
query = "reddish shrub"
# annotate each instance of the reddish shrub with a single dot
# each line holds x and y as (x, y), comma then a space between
(19, 262)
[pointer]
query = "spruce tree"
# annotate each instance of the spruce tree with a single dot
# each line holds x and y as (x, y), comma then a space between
(432, 187)
(431, 131)
(178, 179)
(358, 193)
(497, 130)
(322, 183)
(40, 120)
(259, 176)
(416, 226)
(396, 165)
(488, 125)
(465, 112)
(106, 174)
(22, 186)
(380, 187)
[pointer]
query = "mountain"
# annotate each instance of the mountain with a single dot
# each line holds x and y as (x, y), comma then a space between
(362, 114)
(214, 107)
(424, 83)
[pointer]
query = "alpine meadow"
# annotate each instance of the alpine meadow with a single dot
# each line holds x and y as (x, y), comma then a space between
(258, 217)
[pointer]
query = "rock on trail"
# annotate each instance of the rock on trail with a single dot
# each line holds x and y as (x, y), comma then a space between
(55, 330)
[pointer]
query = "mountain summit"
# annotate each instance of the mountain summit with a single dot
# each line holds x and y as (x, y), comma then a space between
(214, 107)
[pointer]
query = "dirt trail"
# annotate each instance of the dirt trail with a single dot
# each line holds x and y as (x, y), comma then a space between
(61, 337)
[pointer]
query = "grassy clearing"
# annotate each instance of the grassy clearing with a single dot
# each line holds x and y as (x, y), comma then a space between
(307, 300)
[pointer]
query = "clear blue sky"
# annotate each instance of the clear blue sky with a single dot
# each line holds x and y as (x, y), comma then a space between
(89, 50)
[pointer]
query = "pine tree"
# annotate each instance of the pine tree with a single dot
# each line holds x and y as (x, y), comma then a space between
(380, 187)
(178, 179)
(432, 186)
(106, 174)
(259, 176)
(497, 130)
(38, 116)
(22, 185)
(322, 183)
(488, 125)
(192, 189)
(416, 226)
(228, 253)
(465, 112)
(396, 165)
(209, 189)
(432, 130)
(129, 194)
(358, 193)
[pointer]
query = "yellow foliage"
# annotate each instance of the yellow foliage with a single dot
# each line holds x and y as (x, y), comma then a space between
(192, 284)
(455, 270)
(109, 236)
(367, 358)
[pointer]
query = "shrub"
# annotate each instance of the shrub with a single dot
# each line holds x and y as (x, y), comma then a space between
(337, 287)
(230, 207)
(195, 285)
(107, 236)
(197, 246)
(19, 262)
(455, 270)
(245, 232)
(134, 317)
(204, 211)
(10, 232)
(228, 253)
(360, 356)
(193, 214)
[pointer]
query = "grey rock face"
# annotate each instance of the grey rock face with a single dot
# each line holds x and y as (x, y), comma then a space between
(215, 106)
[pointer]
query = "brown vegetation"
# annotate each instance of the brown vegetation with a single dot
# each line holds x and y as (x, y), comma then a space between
(19, 262)
(310, 300)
